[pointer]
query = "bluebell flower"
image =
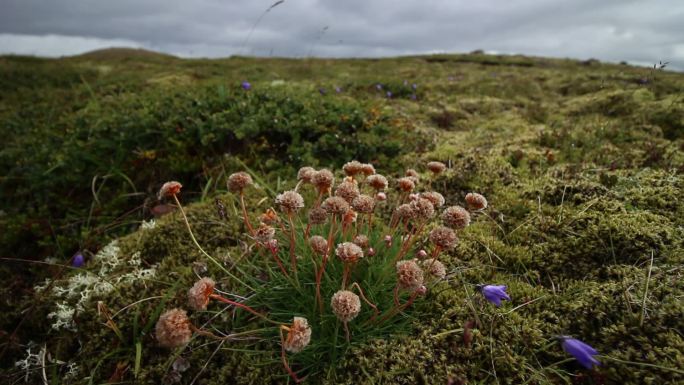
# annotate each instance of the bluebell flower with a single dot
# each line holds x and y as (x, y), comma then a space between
(581, 351)
(389, 94)
(78, 260)
(378, 87)
(246, 85)
(414, 86)
(494, 293)
(338, 89)
(413, 97)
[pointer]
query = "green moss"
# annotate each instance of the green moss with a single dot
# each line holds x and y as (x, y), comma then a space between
(581, 166)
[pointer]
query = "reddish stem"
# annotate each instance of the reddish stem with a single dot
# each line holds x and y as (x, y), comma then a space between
(244, 214)
(274, 252)
(293, 258)
(319, 274)
(240, 305)
(284, 359)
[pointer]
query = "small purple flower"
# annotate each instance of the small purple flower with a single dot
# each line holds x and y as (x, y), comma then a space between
(338, 89)
(494, 293)
(414, 86)
(413, 97)
(378, 87)
(78, 260)
(389, 94)
(581, 351)
(246, 85)
(321, 91)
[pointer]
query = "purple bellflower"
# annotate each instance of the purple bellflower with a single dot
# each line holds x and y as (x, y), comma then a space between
(246, 85)
(378, 87)
(338, 89)
(581, 351)
(78, 260)
(494, 293)
(389, 94)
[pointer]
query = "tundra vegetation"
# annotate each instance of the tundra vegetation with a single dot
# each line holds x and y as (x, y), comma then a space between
(580, 163)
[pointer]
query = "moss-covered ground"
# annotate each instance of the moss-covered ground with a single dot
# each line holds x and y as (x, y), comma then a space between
(581, 163)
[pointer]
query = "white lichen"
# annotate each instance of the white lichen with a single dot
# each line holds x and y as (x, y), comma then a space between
(148, 225)
(108, 270)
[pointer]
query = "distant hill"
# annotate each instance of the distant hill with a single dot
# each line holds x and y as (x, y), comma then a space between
(121, 53)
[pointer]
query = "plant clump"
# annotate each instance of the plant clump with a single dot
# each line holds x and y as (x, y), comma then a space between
(339, 223)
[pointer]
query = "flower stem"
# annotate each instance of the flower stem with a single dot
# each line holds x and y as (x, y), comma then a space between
(319, 274)
(283, 357)
(242, 306)
(244, 214)
(194, 240)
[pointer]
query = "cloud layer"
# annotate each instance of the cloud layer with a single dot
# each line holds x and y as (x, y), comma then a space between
(613, 30)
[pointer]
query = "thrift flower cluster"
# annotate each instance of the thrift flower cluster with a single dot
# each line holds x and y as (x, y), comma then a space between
(333, 230)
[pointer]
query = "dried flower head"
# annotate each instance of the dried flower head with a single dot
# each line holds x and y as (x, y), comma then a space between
(363, 204)
(349, 252)
(422, 209)
(443, 237)
(476, 201)
(273, 245)
(298, 335)
(347, 190)
(264, 233)
(404, 212)
(361, 240)
(377, 181)
(169, 189)
(198, 294)
(317, 216)
(456, 217)
(405, 184)
(367, 169)
(323, 180)
(352, 168)
(381, 196)
(238, 181)
(434, 268)
(305, 174)
(173, 329)
(413, 175)
(335, 206)
(409, 275)
(349, 217)
(290, 201)
(269, 217)
(421, 254)
(319, 245)
(436, 198)
(436, 167)
(346, 305)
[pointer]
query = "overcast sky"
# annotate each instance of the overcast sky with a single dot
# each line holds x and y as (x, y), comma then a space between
(638, 31)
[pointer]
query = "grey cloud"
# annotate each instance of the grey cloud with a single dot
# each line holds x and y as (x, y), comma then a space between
(613, 30)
